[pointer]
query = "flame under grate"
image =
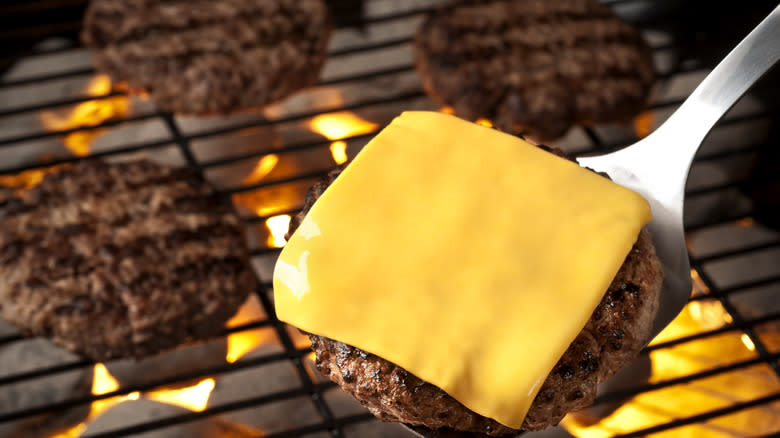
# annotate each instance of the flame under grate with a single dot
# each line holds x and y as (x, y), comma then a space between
(714, 373)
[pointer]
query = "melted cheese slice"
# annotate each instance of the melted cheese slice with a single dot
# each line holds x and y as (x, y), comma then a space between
(464, 255)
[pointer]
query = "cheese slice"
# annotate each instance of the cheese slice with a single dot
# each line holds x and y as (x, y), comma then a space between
(466, 256)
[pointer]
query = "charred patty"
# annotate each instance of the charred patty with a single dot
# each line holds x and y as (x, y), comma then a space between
(209, 57)
(121, 260)
(534, 66)
(616, 331)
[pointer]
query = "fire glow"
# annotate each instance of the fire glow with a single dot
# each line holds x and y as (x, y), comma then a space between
(102, 383)
(277, 227)
(244, 341)
(263, 167)
(26, 179)
(338, 126)
(195, 397)
(643, 124)
(702, 395)
(89, 113)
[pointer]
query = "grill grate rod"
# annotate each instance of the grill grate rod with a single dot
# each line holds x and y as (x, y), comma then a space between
(323, 409)
(738, 288)
(702, 417)
(45, 372)
(710, 333)
(618, 395)
(148, 386)
(737, 252)
(212, 411)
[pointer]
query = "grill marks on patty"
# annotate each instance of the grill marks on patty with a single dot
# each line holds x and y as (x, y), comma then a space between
(613, 336)
(121, 260)
(534, 66)
(210, 57)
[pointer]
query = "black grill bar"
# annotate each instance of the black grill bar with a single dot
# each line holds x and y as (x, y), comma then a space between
(54, 104)
(44, 372)
(736, 252)
(33, 6)
(258, 219)
(291, 147)
(761, 349)
(186, 418)
(324, 410)
(702, 417)
(47, 77)
(730, 217)
(735, 183)
(707, 334)
(738, 288)
(51, 134)
(618, 395)
(307, 430)
(289, 354)
(147, 146)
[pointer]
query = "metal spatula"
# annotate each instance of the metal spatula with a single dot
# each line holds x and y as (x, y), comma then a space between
(657, 166)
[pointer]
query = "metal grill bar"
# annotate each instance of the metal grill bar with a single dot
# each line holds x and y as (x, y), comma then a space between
(199, 374)
(730, 217)
(186, 418)
(738, 288)
(710, 333)
(45, 372)
(702, 417)
(618, 395)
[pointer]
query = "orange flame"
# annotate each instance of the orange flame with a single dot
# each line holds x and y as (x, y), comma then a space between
(748, 342)
(746, 222)
(643, 124)
(340, 125)
(447, 110)
(277, 226)
(485, 122)
(194, 398)
(240, 343)
(706, 394)
(89, 113)
(263, 167)
(102, 383)
(338, 149)
(26, 179)
(251, 200)
(699, 286)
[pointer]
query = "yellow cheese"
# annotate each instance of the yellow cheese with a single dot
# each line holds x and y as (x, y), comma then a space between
(464, 255)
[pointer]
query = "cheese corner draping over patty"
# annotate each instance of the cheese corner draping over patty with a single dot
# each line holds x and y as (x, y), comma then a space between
(443, 241)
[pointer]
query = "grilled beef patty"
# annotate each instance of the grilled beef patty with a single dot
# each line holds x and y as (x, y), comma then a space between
(616, 331)
(209, 57)
(121, 260)
(534, 66)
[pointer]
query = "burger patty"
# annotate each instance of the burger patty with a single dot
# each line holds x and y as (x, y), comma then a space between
(534, 66)
(121, 260)
(209, 57)
(616, 331)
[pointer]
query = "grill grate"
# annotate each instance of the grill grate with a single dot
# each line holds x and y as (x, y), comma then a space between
(716, 211)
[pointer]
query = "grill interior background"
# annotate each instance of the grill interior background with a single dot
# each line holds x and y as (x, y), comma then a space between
(732, 205)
